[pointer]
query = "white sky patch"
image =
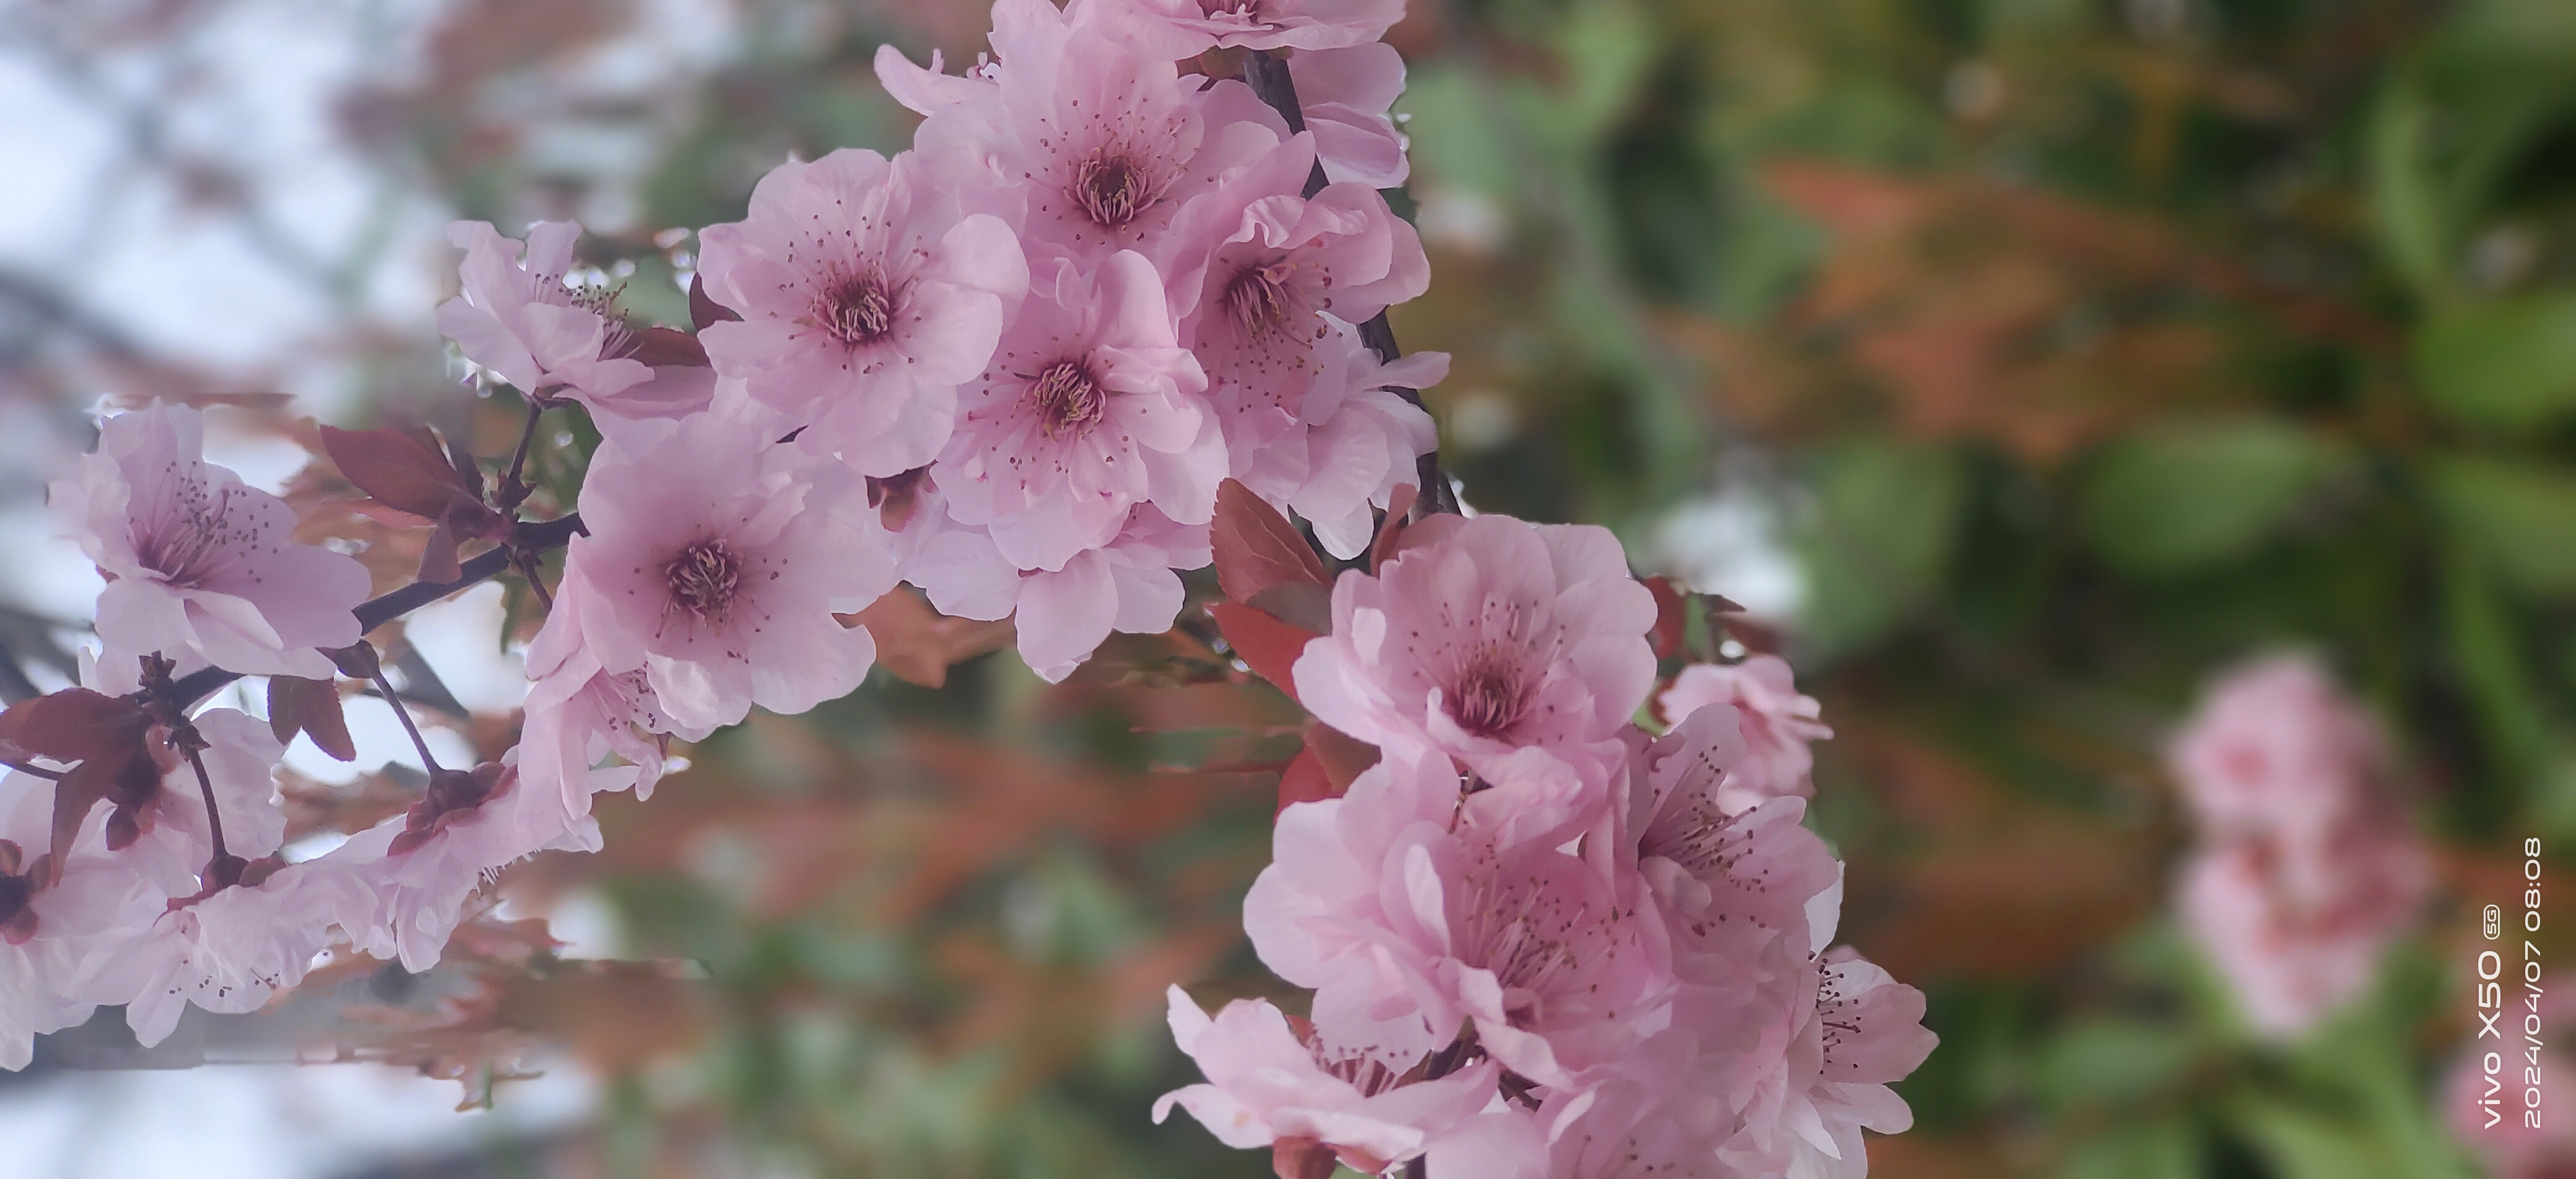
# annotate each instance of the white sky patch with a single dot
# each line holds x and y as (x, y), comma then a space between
(458, 638)
(1728, 543)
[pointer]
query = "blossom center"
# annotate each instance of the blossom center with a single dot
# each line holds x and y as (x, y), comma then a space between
(703, 578)
(194, 541)
(1067, 399)
(856, 310)
(1526, 938)
(1259, 300)
(1111, 189)
(1489, 695)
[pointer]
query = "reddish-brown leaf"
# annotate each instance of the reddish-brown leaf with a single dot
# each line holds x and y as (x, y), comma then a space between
(74, 724)
(919, 644)
(663, 347)
(438, 561)
(407, 471)
(1301, 1158)
(1344, 757)
(1268, 646)
(1257, 548)
(1304, 781)
(1672, 617)
(319, 713)
(703, 309)
(1390, 532)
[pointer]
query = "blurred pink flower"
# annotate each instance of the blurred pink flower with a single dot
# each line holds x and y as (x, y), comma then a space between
(1252, 269)
(1270, 1080)
(1090, 407)
(716, 561)
(2487, 1111)
(2277, 749)
(518, 318)
(199, 563)
(1487, 635)
(2298, 931)
(1187, 28)
(1777, 722)
(867, 296)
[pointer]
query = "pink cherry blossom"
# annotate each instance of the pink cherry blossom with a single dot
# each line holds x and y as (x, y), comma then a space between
(2276, 748)
(716, 561)
(1728, 884)
(199, 563)
(520, 319)
(229, 952)
(1187, 28)
(241, 759)
(1820, 1073)
(1090, 408)
(1255, 267)
(55, 941)
(1064, 614)
(1359, 440)
(1270, 1080)
(2295, 941)
(867, 296)
(1487, 635)
(1086, 147)
(1345, 94)
(1778, 724)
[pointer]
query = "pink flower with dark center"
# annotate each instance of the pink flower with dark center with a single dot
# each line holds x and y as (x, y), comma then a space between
(520, 319)
(1187, 28)
(1777, 722)
(867, 296)
(1483, 636)
(199, 563)
(1254, 269)
(1089, 409)
(716, 561)
(1272, 1078)
(1096, 147)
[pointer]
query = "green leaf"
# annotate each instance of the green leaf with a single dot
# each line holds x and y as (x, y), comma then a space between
(2113, 1062)
(2301, 1144)
(2160, 1150)
(2405, 202)
(2190, 495)
(2518, 520)
(2509, 363)
(1880, 539)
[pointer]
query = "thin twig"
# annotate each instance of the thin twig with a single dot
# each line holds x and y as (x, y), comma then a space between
(39, 771)
(512, 490)
(403, 713)
(214, 814)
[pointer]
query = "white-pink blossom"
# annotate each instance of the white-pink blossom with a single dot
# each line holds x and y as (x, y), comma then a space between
(1487, 635)
(2299, 932)
(1819, 1073)
(1778, 725)
(2276, 748)
(867, 295)
(1090, 407)
(1269, 1079)
(520, 319)
(1346, 94)
(1354, 441)
(1064, 614)
(717, 559)
(198, 562)
(229, 952)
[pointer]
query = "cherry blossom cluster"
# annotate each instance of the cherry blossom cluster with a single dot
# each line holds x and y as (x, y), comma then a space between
(1117, 315)
(1541, 940)
(2307, 867)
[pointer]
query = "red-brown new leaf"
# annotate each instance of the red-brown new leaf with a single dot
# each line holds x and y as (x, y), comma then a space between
(1268, 646)
(663, 347)
(408, 472)
(703, 309)
(105, 735)
(1672, 617)
(1390, 532)
(1257, 548)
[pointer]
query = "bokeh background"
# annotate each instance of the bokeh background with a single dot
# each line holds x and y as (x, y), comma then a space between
(2016, 363)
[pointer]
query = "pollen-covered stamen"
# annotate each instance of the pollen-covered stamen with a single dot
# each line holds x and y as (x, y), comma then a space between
(1699, 837)
(855, 310)
(703, 579)
(1067, 399)
(1489, 696)
(620, 340)
(1524, 932)
(1259, 300)
(193, 538)
(1111, 189)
